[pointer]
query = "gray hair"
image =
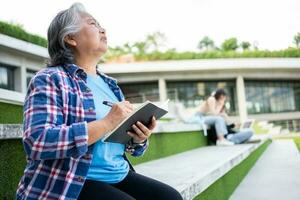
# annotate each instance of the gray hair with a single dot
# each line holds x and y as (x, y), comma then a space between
(66, 22)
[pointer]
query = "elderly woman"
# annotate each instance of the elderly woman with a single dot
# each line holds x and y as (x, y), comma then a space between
(64, 121)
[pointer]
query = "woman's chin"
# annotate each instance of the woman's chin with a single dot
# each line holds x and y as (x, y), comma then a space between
(100, 51)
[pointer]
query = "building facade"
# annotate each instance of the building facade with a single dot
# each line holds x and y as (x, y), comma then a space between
(258, 88)
(19, 61)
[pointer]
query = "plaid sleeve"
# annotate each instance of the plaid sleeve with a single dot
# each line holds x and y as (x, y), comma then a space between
(137, 149)
(45, 135)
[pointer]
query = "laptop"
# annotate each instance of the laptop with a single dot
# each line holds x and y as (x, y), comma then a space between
(247, 124)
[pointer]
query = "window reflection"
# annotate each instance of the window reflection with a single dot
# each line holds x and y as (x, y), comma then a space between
(140, 92)
(272, 96)
(6, 77)
(193, 93)
(29, 75)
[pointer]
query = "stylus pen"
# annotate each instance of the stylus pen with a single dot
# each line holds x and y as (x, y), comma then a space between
(108, 103)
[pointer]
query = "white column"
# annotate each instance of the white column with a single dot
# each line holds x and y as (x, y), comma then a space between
(18, 79)
(162, 87)
(241, 97)
(23, 79)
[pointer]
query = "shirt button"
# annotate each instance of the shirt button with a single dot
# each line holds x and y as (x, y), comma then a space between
(80, 179)
(91, 109)
(87, 156)
(88, 90)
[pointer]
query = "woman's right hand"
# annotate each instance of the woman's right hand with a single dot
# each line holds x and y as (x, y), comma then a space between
(117, 114)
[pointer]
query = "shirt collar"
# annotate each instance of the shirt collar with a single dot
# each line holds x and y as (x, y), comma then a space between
(106, 78)
(72, 69)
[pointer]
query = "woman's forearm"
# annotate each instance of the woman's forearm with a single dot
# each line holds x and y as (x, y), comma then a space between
(97, 129)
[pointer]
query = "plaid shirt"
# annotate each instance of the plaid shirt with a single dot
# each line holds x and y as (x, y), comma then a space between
(57, 108)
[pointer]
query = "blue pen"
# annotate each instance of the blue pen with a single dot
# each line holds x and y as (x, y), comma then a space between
(108, 103)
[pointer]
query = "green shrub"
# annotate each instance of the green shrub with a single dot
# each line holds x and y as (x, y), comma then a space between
(173, 55)
(18, 32)
(12, 165)
(11, 114)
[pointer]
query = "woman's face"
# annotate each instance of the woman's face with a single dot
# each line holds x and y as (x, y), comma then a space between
(222, 99)
(91, 39)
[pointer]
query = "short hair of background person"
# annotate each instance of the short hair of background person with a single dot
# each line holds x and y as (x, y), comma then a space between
(218, 93)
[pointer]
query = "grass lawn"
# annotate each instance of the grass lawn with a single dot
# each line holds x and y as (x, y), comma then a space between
(259, 130)
(297, 141)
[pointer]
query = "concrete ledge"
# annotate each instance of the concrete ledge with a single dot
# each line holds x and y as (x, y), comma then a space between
(12, 97)
(194, 171)
(23, 46)
(10, 131)
(165, 127)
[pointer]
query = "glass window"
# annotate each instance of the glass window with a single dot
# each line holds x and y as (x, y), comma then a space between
(272, 96)
(292, 125)
(6, 77)
(140, 92)
(29, 75)
(193, 93)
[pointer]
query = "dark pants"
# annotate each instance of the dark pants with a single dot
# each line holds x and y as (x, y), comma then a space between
(134, 186)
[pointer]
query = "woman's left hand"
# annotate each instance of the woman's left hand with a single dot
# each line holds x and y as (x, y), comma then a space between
(141, 131)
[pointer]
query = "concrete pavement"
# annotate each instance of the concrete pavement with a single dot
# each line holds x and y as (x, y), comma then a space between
(276, 175)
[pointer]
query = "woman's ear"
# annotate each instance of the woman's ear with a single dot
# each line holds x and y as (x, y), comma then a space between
(70, 41)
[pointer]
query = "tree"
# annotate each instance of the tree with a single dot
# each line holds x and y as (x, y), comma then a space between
(230, 44)
(297, 39)
(156, 40)
(245, 45)
(141, 47)
(206, 43)
(127, 48)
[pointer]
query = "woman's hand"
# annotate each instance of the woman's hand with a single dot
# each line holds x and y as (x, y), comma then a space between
(141, 131)
(117, 114)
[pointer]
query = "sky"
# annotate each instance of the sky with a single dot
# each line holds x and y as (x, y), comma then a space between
(269, 24)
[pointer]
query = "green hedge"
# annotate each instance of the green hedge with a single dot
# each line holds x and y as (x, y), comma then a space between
(11, 114)
(12, 164)
(166, 144)
(173, 55)
(225, 186)
(18, 32)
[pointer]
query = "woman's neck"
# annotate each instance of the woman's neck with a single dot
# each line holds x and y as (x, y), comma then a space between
(88, 65)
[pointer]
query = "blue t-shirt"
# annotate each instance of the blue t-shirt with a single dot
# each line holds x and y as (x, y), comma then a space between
(108, 164)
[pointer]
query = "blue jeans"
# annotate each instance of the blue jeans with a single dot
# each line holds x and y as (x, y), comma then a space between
(241, 136)
(217, 121)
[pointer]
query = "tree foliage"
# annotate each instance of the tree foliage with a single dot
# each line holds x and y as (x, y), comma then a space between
(230, 44)
(206, 43)
(245, 45)
(297, 40)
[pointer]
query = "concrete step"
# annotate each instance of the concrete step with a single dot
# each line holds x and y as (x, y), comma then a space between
(276, 175)
(194, 171)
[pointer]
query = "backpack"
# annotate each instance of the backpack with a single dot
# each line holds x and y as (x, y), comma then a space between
(212, 134)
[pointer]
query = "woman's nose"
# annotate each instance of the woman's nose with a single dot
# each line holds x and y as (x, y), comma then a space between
(102, 30)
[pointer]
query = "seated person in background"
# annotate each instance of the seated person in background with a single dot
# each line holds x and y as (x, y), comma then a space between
(212, 112)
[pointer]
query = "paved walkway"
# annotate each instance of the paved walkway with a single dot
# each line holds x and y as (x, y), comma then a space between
(191, 172)
(276, 175)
